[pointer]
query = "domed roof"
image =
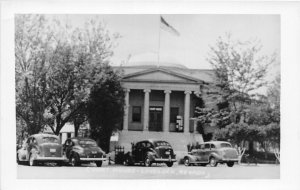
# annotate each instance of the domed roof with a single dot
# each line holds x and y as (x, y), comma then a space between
(151, 59)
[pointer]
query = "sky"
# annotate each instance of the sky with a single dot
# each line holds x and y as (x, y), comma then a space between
(142, 36)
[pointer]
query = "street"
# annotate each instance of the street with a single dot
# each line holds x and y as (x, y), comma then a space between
(260, 171)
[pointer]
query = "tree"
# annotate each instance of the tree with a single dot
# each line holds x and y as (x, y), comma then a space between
(31, 54)
(76, 66)
(240, 70)
(105, 107)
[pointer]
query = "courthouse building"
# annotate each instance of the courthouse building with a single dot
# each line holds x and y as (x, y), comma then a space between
(160, 102)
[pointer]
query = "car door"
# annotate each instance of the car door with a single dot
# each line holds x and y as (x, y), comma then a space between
(68, 147)
(201, 154)
(141, 151)
(135, 152)
(206, 152)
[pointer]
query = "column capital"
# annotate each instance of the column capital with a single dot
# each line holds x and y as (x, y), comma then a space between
(167, 91)
(187, 92)
(127, 90)
(147, 90)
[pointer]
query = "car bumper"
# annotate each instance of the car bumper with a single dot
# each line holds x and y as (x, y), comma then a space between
(93, 159)
(165, 160)
(51, 159)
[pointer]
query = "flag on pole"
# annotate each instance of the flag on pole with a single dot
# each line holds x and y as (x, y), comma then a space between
(167, 27)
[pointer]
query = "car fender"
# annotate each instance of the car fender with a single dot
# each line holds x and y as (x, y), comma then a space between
(192, 158)
(215, 155)
(151, 155)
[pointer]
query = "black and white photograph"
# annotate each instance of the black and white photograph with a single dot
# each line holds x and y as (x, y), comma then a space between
(146, 96)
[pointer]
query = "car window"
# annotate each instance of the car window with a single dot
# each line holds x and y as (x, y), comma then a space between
(162, 143)
(143, 145)
(49, 140)
(225, 145)
(28, 140)
(207, 146)
(87, 143)
(34, 141)
(212, 146)
(202, 146)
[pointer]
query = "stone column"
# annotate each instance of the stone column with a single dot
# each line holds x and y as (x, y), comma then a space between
(146, 109)
(166, 121)
(126, 110)
(187, 111)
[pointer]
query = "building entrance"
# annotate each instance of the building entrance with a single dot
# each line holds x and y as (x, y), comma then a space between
(156, 117)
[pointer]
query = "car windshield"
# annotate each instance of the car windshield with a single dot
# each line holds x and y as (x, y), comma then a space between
(49, 140)
(87, 143)
(162, 143)
(225, 145)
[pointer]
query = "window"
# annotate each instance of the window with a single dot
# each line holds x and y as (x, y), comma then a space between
(207, 146)
(173, 114)
(213, 146)
(136, 114)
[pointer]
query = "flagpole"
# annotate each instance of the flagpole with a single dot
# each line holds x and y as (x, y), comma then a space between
(158, 41)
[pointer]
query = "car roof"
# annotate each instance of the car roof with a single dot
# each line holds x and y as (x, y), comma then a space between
(43, 135)
(151, 140)
(216, 142)
(81, 138)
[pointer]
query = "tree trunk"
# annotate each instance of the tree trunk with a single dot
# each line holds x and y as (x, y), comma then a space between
(76, 128)
(251, 147)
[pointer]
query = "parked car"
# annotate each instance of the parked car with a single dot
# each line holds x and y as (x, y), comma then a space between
(150, 151)
(212, 153)
(41, 148)
(83, 150)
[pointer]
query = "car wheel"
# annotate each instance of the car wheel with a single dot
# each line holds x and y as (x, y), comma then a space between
(169, 164)
(147, 162)
(32, 161)
(74, 160)
(230, 164)
(99, 163)
(213, 162)
(126, 162)
(187, 162)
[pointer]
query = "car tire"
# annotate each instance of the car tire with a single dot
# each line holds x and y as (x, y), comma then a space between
(99, 163)
(147, 161)
(32, 161)
(230, 164)
(187, 161)
(213, 162)
(126, 161)
(169, 164)
(74, 160)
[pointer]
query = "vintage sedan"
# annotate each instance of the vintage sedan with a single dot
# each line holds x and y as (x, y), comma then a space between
(150, 151)
(212, 153)
(83, 150)
(41, 148)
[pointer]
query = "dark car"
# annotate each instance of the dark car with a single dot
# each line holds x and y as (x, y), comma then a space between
(150, 151)
(83, 150)
(212, 153)
(41, 148)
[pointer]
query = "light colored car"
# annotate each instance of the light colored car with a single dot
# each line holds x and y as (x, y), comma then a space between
(212, 153)
(41, 148)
